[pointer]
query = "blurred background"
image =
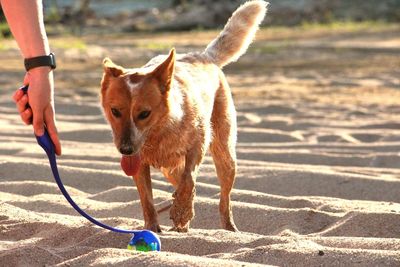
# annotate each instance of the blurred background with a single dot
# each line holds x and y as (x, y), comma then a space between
(177, 15)
(312, 60)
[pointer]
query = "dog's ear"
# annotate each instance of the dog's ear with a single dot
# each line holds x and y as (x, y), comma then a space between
(165, 71)
(111, 69)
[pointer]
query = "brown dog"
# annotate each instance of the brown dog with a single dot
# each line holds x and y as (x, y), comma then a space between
(167, 113)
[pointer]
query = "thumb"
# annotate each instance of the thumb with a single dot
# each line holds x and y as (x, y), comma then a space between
(38, 124)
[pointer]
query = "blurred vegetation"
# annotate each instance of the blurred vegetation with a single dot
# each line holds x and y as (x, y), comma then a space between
(155, 46)
(4, 29)
(346, 25)
(109, 16)
(73, 17)
(70, 42)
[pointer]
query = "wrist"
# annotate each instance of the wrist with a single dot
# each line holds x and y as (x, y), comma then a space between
(43, 70)
(39, 75)
(40, 61)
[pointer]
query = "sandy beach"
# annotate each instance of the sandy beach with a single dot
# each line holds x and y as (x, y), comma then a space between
(318, 150)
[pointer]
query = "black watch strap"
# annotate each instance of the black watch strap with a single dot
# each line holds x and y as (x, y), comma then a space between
(41, 61)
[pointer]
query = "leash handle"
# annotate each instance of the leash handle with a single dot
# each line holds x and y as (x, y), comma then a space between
(143, 240)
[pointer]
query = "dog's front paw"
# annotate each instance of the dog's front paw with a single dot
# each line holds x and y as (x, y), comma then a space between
(181, 213)
(180, 229)
(154, 227)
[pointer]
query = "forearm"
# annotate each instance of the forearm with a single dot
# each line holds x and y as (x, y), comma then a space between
(25, 18)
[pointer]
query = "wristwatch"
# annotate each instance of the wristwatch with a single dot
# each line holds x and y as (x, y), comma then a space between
(40, 61)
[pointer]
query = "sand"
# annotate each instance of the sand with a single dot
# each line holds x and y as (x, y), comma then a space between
(318, 182)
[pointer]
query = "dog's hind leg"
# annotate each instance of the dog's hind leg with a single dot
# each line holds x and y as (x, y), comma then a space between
(143, 184)
(223, 150)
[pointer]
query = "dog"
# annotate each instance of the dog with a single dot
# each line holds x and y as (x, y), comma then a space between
(167, 113)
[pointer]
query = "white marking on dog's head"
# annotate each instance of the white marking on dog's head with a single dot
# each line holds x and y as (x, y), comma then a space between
(132, 86)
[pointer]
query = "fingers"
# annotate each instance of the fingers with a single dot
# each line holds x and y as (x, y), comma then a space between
(17, 95)
(39, 120)
(26, 116)
(22, 104)
(21, 101)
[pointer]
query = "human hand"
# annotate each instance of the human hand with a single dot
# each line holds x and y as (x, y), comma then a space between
(40, 111)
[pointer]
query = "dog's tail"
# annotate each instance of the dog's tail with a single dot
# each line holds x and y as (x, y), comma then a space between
(237, 34)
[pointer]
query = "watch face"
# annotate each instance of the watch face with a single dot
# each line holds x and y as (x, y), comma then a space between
(53, 59)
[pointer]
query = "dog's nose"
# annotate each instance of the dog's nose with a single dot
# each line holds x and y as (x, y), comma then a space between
(126, 150)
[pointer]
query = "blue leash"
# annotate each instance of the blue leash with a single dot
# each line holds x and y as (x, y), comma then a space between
(143, 240)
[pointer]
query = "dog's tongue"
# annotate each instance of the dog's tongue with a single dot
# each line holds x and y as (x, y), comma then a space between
(130, 164)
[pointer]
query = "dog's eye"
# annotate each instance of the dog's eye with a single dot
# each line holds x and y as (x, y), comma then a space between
(144, 114)
(116, 112)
